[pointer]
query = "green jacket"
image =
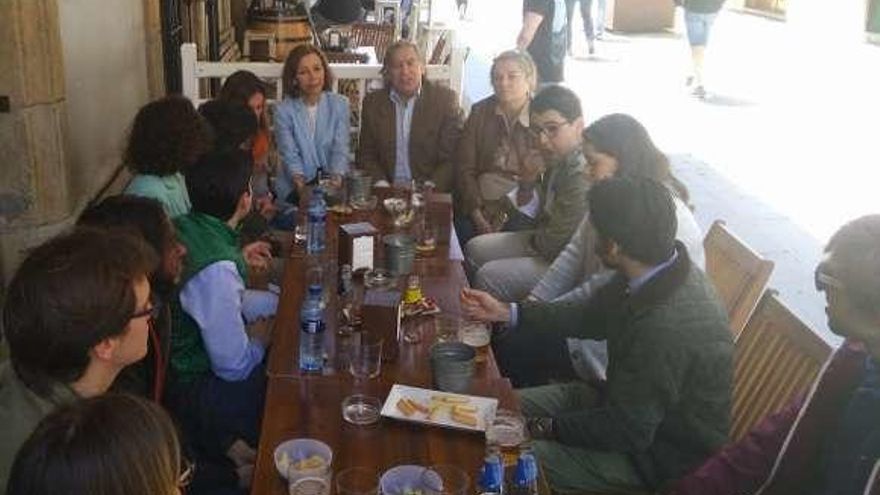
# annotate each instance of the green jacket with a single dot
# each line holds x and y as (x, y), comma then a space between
(207, 240)
(20, 411)
(563, 192)
(670, 358)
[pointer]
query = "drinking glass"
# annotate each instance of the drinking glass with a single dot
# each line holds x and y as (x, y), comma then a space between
(445, 479)
(446, 328)
(365, 358)
(357, 481)
(507, 432)
(478, 336)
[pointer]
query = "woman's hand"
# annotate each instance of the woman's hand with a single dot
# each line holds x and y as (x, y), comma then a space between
(481, 306)
(335, 181)
(299, 181)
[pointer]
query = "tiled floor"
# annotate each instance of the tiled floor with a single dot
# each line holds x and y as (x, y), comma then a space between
(783, 149)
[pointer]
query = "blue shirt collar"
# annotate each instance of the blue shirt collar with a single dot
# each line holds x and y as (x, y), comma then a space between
(400, 100)
(637, 283)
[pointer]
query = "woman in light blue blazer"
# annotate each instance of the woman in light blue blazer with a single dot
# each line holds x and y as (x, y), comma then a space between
(311, 124)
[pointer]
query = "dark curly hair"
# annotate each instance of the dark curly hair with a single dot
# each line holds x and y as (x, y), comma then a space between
(291, 64)
(167, 136)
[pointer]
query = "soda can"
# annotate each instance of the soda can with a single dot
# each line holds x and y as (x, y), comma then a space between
(492, 474)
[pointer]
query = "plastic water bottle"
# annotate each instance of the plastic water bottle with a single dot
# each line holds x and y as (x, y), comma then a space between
(317, 216)
(311, 336)
(492, 473)
(525, 480)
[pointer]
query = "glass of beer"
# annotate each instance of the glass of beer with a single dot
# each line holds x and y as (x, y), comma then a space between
(476, 335)
(507, 432)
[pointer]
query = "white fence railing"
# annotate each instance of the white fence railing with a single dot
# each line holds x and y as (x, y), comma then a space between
(194, 70)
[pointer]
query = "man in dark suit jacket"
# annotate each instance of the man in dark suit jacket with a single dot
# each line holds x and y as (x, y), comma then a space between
(410, 128)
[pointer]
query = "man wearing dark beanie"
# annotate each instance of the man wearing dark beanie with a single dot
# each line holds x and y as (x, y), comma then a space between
(665, 406)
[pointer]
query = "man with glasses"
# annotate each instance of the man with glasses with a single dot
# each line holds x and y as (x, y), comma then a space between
(509, 264)
(77, 312)
(829, 441)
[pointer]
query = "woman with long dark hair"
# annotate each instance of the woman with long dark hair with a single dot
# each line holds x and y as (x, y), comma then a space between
(616, 145)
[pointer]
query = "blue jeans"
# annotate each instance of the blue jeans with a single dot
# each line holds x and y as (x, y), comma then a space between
(698, 27)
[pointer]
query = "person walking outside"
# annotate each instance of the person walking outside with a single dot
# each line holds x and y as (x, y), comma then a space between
(699, 16)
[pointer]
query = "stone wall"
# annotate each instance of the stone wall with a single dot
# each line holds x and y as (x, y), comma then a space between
(74, 73)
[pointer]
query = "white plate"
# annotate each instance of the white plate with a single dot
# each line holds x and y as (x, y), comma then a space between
(486, 407)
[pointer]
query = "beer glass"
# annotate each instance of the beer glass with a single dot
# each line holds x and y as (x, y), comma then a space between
(476, 335)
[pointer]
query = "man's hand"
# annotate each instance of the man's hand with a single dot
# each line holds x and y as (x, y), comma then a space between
(257, 255)
(481, 306)
(261, 331)
(481, 225)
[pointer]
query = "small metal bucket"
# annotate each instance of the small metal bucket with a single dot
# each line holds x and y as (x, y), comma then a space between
(400, 251)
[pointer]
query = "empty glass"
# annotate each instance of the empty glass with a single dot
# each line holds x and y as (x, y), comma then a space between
(445, 479)
(365, 358)
(446, 328)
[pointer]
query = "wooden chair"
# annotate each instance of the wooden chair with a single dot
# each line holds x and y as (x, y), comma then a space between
(738, 273)
(777, 357)
(379, 36)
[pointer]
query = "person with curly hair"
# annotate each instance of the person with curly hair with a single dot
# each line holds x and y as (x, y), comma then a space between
(167, 136)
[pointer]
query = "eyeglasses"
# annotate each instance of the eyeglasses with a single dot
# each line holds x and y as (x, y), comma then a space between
(152, 311)
(551, 129)
(187, 471)
(824, 281)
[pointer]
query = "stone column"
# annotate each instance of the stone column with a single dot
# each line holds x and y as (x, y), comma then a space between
(35, 198)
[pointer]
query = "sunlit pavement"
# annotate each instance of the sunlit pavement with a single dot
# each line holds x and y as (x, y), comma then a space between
(785, 147)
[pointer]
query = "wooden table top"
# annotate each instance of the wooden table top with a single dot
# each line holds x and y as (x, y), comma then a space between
(310, 405)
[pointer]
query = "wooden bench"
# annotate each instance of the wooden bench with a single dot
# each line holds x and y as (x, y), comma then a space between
(777, 357)
(738, 273)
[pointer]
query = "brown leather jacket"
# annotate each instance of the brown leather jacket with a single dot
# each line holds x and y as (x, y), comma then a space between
(489, 145)
(436, 127)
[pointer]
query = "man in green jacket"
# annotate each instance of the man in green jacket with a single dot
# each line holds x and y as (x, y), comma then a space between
(509, 264)
(666, 404)
(76, 313)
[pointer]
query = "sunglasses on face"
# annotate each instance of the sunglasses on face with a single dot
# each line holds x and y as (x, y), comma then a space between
(825, 281)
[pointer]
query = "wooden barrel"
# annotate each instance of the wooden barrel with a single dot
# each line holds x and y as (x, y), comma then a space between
(289, 31)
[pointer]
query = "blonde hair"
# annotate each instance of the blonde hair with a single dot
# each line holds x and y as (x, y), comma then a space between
(523, 60)
(106, 445)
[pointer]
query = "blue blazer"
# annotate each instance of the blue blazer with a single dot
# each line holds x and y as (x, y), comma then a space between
(300, 154)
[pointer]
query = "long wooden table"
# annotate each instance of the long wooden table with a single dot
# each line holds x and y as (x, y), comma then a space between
(310, 405)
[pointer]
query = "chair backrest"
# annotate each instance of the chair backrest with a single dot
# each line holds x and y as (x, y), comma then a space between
(777, 357)
(738, 273)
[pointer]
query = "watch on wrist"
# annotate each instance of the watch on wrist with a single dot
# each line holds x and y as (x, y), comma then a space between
(541, 428)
